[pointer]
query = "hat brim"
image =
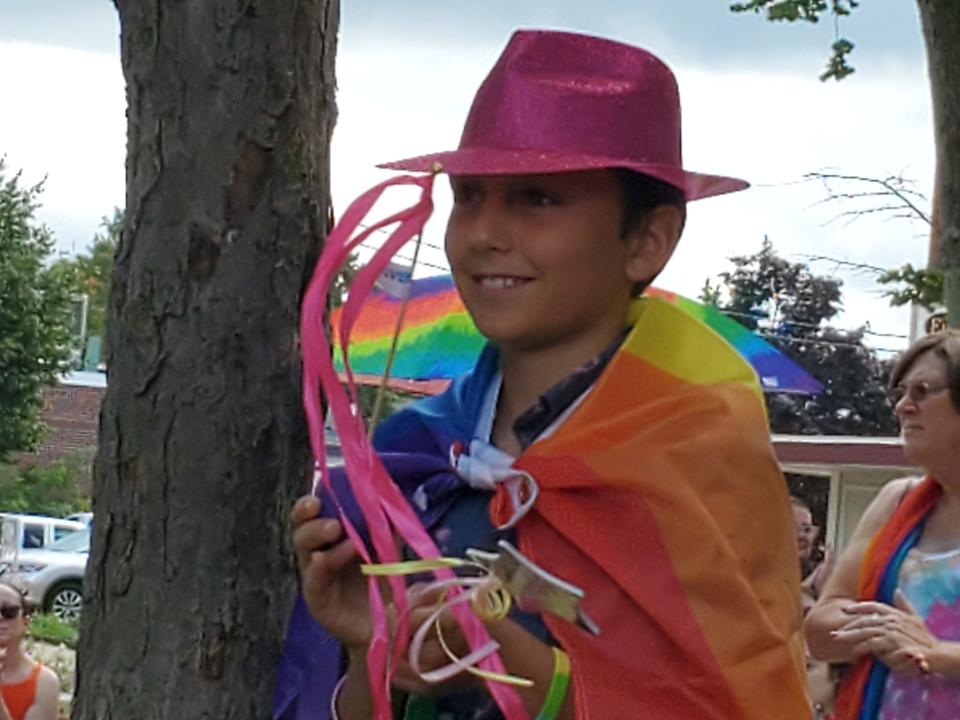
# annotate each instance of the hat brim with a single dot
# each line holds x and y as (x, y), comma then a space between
(489, 161)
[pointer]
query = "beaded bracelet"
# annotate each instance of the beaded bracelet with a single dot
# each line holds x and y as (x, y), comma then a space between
(558, 686)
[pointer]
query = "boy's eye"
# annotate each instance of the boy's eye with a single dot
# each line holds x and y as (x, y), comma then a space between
(464, 193)
(537, 197)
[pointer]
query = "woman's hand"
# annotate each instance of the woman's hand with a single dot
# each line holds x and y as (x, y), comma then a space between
(333, 587)
(896, 635)
(829, 615)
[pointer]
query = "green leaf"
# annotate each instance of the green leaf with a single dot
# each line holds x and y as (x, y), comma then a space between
(34, 319)
(837, 66)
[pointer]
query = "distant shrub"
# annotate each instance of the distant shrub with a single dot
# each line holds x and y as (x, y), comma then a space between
(51, 629)
(44, 490)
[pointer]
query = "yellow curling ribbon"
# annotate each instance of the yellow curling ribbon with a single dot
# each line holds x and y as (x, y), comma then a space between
(491, 601)
(412, 567)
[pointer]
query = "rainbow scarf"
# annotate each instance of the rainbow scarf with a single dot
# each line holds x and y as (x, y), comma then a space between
(862, 690)
(661, 497)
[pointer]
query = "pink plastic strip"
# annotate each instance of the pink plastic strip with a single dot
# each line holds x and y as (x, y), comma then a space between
(386, 512)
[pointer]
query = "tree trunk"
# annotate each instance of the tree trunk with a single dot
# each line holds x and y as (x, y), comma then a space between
(941, 33)
(202, 445)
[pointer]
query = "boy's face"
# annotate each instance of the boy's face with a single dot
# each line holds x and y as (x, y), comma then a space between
(539, 259)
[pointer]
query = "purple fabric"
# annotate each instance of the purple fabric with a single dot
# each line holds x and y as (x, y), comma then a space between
(414, 445)
(311, 662)
(309, 669)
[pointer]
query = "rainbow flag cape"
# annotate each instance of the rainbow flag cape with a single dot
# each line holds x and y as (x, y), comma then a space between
(661, 497)
(439, 341)
(861, 693)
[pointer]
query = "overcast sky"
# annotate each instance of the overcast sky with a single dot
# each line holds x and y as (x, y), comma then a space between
(752, 107)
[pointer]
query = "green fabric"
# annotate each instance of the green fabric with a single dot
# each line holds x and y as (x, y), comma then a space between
(420, 708)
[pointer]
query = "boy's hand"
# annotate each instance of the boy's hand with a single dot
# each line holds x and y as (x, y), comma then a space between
(333, 587)
(432, 655)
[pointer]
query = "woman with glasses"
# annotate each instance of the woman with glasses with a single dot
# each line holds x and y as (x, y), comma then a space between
(892, 604)
(28, 690)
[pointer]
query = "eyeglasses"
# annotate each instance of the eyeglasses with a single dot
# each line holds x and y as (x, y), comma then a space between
(807, 530)
(10, 612)
(918, 392)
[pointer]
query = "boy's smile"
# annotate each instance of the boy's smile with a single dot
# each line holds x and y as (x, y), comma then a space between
(539, 259)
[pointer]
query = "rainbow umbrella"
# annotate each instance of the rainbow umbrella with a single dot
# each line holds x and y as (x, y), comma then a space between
(439, 341)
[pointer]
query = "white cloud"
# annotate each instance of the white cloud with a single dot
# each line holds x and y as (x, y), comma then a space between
(69, 124)
(410, 97)
(770, 128)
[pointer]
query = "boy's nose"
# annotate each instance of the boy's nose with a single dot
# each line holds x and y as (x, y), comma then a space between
(488, 228)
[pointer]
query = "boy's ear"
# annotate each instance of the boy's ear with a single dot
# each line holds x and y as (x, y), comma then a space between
(652, 242)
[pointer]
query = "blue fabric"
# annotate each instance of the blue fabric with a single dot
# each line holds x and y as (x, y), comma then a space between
(873, 691)
(414, 445)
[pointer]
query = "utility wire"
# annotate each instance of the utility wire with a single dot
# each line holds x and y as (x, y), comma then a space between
(816, 326)
(797, 323)
(384, 231)
(830, 343)
(407, 258)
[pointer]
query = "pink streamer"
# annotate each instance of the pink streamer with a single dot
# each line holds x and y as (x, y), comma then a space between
(386, 512)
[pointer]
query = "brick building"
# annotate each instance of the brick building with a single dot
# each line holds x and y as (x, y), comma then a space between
(71, 410)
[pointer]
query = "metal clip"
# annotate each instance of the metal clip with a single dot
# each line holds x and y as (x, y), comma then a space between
(533, 588)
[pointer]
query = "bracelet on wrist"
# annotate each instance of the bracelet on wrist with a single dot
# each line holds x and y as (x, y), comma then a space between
(557, 693)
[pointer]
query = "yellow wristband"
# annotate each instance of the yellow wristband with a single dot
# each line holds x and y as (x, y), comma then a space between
(557, 693)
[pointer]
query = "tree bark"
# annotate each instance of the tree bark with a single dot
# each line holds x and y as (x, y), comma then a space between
(940, 20)
(203, 445)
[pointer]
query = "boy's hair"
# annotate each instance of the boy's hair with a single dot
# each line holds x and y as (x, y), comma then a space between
(639, 194)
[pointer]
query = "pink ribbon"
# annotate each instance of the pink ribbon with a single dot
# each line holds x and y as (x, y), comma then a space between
(385, 510)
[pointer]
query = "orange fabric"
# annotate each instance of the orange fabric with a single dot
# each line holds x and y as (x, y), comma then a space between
(19, 696)
(663, 500)
(915, 506)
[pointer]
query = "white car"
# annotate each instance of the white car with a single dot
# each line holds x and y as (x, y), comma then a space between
(81, 517)
(52, 577)
(21, 532)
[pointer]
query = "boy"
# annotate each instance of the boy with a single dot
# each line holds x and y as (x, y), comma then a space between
(641, 433)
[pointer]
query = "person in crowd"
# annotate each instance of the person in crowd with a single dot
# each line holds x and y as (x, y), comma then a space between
(28, 689)
(821, 680)
(815, 560)
(892, 605)
(627, 443)
(805, 533)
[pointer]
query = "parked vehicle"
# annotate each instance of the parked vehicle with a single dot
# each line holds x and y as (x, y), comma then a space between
(81, 517)
(19, 531)
(52, 577)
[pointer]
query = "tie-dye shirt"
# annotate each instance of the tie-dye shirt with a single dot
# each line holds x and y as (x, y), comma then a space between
(931, 581)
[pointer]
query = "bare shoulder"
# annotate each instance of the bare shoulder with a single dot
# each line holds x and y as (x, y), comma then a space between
(48, 678)
(883, 505)
(844, 579)
(47, 698)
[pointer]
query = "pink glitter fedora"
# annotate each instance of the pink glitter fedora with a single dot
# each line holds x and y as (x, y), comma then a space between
(560, 102)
